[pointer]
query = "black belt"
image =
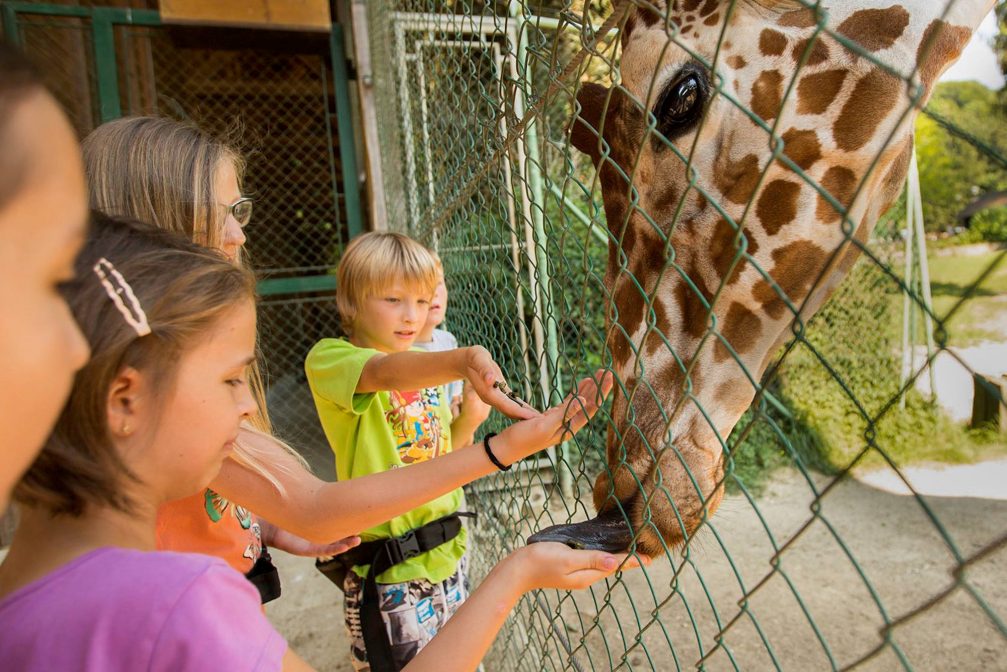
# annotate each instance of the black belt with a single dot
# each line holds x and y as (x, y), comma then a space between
(264, 577)
(382, 555)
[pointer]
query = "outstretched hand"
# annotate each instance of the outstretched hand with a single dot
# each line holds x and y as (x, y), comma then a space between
(483, 374)
(558, 423)
(280, 539)
(554, 565)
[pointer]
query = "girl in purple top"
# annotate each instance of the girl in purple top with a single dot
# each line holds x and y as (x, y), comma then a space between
(150, 418)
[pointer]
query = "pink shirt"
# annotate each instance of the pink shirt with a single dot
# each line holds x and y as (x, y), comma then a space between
(118, 609)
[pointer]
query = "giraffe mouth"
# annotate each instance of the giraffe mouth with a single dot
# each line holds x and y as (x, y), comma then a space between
(608, 531)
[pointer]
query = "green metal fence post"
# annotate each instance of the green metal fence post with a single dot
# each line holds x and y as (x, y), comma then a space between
(344, 119)
(103, 31)
(10, 30)
(537, 193)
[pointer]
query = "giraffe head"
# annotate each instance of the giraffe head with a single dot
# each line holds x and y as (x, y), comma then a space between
(714, 181)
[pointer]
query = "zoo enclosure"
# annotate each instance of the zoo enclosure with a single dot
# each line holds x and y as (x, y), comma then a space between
(473, 107)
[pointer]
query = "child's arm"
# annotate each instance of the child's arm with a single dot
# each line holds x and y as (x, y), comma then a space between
(321, 511)
(275, 537)
(415, 370)
(463, 642)
(293, 663)
(472, 414)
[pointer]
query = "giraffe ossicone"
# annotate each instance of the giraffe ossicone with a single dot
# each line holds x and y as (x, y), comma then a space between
(763, 233)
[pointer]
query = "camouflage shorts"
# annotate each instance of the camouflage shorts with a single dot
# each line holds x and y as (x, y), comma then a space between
(413, 612)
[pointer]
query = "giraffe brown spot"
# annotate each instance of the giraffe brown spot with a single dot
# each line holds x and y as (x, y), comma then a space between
(723, 250)
(819, 52)
(875, 29)
(665, 200)
(737, 179)
(584, 132)
(802, 147)
(655, 258)
(841, 183)
(799, 18)
(701, 202)
(767, 94)
(712, 20)
(741, 328)
(816, 92)
(695, 315)
(649, 15)
(777, 205)
(872, 99)
(709, 7)
(629, 303)
(737, 62)
(796, 266)
(627, 29)
(691, 5)
(942, 43)
(662, 327)
(767, 297)
(686, 29)
(625, 232)
(772, 42)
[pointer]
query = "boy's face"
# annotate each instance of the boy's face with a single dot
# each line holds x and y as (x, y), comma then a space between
(391, 320)
(438, 305)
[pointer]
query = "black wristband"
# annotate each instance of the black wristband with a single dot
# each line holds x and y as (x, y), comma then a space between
(489, 453)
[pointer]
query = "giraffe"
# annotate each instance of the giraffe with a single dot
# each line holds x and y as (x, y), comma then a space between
(690, 354)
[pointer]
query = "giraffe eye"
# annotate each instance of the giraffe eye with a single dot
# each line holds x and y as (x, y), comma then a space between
(681, 104)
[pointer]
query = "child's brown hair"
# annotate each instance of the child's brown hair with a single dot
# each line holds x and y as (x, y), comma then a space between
(183, 289)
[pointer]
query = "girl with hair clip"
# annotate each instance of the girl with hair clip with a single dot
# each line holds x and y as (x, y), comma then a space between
(152, 417)
(43, 212)
(182, 179)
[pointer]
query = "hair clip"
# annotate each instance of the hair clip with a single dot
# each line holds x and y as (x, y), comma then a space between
(107, 273)
(505, 388)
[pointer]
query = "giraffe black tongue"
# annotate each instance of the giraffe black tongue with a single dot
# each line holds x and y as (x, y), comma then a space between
(608, 531)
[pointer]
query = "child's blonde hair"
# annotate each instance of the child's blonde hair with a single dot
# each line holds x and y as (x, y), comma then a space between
(376, 260)
(162, 171)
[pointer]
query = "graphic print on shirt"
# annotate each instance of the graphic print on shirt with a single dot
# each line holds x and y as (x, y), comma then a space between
(217, 507)
(416, 424)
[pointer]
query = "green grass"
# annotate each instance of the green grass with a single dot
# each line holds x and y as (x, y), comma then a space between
(982, 315)
(837, 414)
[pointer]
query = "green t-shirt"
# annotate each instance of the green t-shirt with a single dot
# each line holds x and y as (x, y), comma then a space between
(378, 431)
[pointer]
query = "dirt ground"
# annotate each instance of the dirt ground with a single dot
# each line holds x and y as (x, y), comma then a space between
(809, 610)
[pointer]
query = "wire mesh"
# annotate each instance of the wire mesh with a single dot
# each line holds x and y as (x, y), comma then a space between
(275, 100)
(802, 567)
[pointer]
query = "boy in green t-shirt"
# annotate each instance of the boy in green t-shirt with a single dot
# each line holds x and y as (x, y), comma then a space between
(384, 406)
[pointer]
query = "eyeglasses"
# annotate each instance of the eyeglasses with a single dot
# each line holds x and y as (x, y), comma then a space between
(241, 210)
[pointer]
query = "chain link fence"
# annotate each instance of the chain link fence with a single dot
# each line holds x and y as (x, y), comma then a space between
(803, 567)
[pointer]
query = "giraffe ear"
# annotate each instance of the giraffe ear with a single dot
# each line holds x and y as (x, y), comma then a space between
(584, 134)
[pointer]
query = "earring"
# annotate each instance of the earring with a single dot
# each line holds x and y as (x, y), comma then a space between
(125, 429)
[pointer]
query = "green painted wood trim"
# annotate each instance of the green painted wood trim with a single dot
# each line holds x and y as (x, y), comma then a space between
(308, 283)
